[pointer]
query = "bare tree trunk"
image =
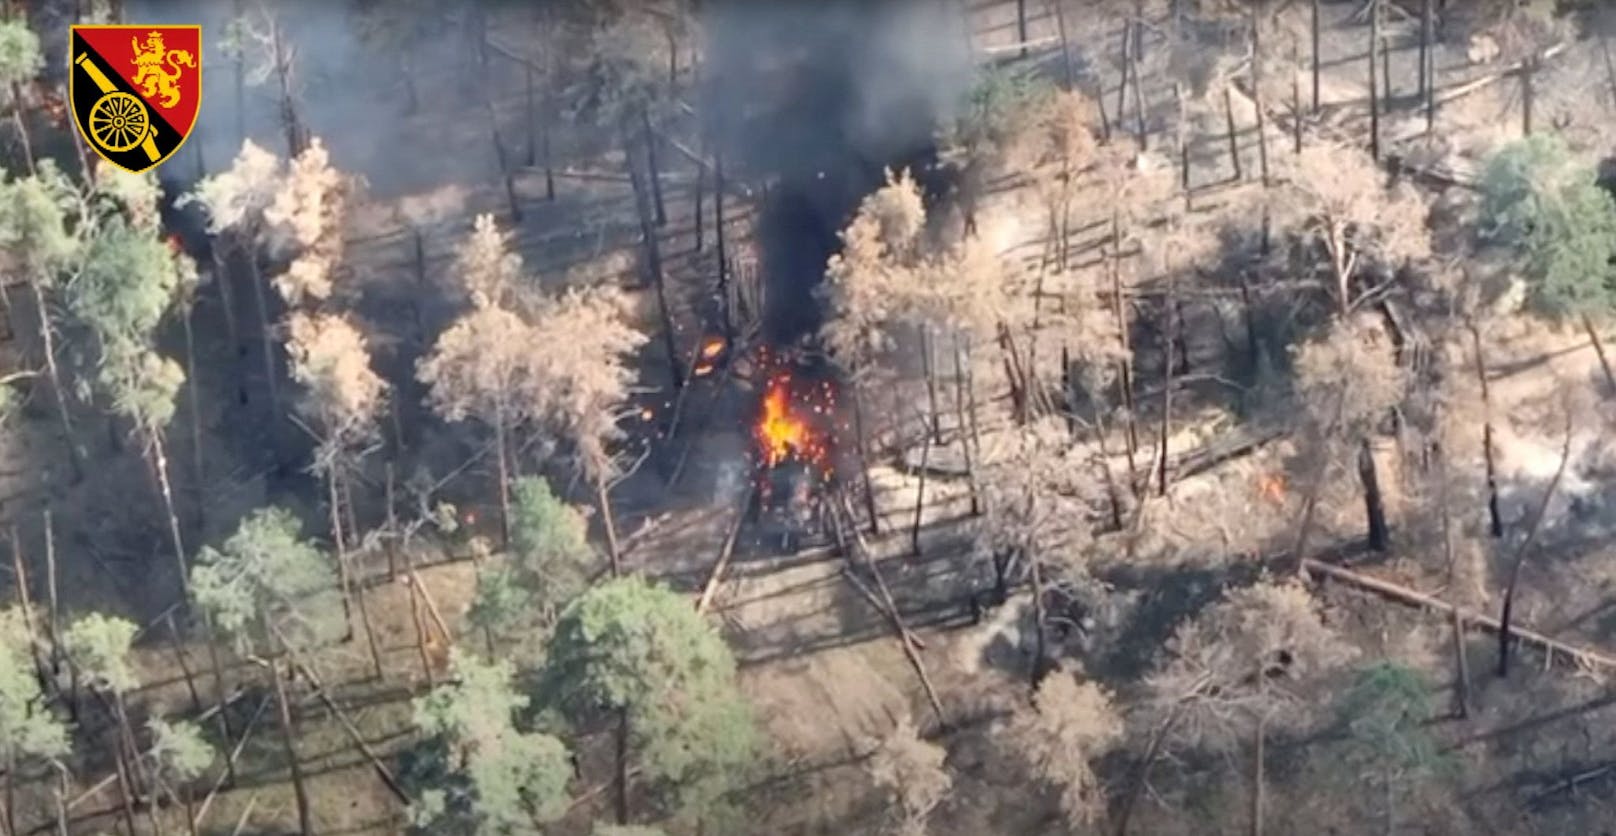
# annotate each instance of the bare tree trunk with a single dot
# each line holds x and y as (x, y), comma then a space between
(1426, 81)
(1040, 639)
(288, 735)
(1171, 332)
(357, 589)
(1525, 549)
(1494, 516)
(343, 578)
(23, 140)
(1068, 74)
(183, 662)
(502, 457)
(1124, 365)
(47, 332)
(1234, 139)
(1314, 27)
(10, 818)
(1257, 69)
(26, 606)
(219, 698)
(621, 761)
(1374, 507)
(505, 173)
(159, 460)
(126, 799)
(1296, 100)
(53, 617)
(928, 365)
(920, 495)
(604, 502)
(1374, 87)
(1461, 666)
(1528, 92)
(1021, 26)
(1257, 782)
(719, 239)
(960, 363)
(531, 119)
(199, 471)
(1599, 350)
(653, 265)
(266, 335)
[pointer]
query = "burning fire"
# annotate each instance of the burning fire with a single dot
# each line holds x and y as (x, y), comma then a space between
(794, 422)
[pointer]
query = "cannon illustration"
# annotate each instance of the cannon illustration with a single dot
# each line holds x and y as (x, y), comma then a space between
(118, 121)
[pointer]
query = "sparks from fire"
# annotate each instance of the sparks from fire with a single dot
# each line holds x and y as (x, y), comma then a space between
(707, 357)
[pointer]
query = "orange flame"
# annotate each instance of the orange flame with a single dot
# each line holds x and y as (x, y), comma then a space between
(784, 430)
(1271, 487)
(712, 347)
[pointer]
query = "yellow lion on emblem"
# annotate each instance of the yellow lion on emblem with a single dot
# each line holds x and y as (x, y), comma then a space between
(150, 76)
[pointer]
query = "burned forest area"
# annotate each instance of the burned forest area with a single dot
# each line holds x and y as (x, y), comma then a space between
(680, 417)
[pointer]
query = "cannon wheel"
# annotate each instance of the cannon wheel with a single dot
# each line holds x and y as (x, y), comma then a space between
(118, 121)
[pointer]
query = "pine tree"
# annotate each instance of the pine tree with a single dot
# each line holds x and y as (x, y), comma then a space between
(476, 772)
(547, 565)
(275, 594)
(26, 732)
(98, 649)
(1387, 712)
(128, 282)
(1069, 726)
(638, 656)
(20, 62)
(1548, 208)
(179, 754)
(911, 768)
(35, 217)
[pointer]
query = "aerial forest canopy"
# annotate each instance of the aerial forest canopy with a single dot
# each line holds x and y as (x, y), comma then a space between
(669, 418)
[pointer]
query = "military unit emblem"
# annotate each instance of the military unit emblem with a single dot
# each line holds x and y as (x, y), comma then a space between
(135, 90)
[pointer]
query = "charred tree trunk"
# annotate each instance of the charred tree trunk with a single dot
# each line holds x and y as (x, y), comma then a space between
(1528, 92)
(1040, 640)
(1257, 92)
(507, 176)
(1021, 26)
(1314, 31)
(343, 578)
(194, 398)
(960, 362)
(1171, 331)
(920, 495)
(1233, 137)
(1495, 519)
(862, 446)
(1426, 79)
(1258, 784)
(651, 166)
(1525, 549)
(928, 364)
(1374, 505)
(621, 761)
(266, 334)
(653, 266)
(1374, 87)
